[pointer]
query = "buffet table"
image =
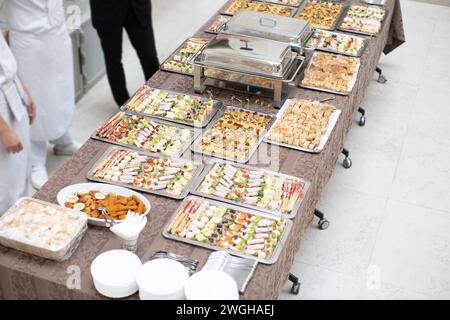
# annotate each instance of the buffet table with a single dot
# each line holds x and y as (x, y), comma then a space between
(27, 277)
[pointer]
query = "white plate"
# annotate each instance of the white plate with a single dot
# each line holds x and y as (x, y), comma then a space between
(103, 188)
(162, 279)
(114, 273)
(211, 285)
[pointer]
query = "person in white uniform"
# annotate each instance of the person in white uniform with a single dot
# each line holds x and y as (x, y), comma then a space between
(16, 112)
(41, 44)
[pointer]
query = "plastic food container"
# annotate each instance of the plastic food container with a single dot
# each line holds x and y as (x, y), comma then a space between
(42, 228)
(114, 273)
(162, 279)
(211, 285)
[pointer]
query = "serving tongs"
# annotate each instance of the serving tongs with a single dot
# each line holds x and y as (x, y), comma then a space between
(327, 99)
(108, 221)
(189, 264)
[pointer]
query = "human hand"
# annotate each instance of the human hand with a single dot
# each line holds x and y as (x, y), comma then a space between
(10, 141)
(31, 109)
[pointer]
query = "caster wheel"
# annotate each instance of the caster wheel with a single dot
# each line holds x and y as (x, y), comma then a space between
(381, 79)
(324, 224)
(295, 288)
(362, 121)
(347, 163)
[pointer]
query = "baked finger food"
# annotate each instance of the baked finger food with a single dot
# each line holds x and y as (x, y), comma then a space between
(321, 14)
(116, 206)
(239, 5)
(331, 72)
(235, 133)
(302, 124)
(180, 60)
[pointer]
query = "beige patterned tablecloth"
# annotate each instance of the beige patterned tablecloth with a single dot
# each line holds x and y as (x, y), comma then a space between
(27, 277)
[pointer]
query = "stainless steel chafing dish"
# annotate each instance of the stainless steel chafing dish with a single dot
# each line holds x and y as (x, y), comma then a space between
(294, 31)
(249, 64)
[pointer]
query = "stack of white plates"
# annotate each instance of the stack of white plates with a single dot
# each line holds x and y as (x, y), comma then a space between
(162, 279)
(114, 273)
(211, 285)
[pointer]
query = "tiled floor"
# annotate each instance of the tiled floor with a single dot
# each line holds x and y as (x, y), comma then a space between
(390, 213)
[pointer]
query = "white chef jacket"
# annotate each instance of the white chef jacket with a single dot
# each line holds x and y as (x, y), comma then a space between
(14, 168)
(42, 47)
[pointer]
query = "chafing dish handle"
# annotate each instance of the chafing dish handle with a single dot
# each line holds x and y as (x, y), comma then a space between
(296, 71)
(195, 55)
(272, 24)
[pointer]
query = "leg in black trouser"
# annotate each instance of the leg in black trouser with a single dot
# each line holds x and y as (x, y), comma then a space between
(143, 41)
(112, 50)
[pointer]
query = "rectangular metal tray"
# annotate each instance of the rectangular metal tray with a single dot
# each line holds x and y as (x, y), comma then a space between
(349, 89)
(282, 4)
(161, 66)
(220, 28)
(338, 17)
(194, 135)
(271, 260)
(163, 193)
(359, 54)
(198, 140)
(361, 32)
(323, 140)
(293, 14)
(216, 106)
(375, 2)
(195, 189)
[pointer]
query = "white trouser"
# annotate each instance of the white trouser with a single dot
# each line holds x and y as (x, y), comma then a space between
(14, 168)
(39, 149)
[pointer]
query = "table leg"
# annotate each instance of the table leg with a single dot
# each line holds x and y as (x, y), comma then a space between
(381, 77)
(295, 284)
(347, 163)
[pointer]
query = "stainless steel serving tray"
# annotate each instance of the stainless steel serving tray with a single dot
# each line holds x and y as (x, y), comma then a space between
(359, 54)
(339, 27)
(194, 135)
(338, 17)
(299, 3)
(220, 28)
(252, 79)
(271, 260)
(349, 89)
(247, 54)
(161, 66)
(323, 139)
(163, 193)
(268, 26)
(293, 9)
(195, 189)
(216, 106)
(198, 140)
(375, 2)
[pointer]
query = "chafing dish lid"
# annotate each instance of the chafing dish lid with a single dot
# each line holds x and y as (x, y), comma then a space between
(267, 26)
(247, 54)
